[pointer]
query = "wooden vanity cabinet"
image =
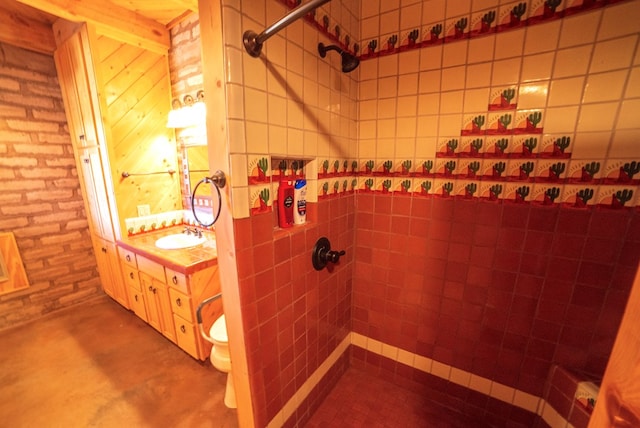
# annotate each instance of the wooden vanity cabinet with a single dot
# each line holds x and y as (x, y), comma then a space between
(167, 299)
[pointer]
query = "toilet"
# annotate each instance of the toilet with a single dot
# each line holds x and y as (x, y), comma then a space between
(220, 358)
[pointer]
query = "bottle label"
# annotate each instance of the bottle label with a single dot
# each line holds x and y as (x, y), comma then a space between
(288, 201)
(302, 207)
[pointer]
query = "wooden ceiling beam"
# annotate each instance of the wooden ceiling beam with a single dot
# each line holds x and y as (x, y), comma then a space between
(26, 33)
(111, 20)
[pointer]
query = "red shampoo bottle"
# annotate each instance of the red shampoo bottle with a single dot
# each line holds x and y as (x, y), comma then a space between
(285, 204)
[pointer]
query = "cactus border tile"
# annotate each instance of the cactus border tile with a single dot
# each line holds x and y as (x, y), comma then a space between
(446, 168)
(498, 146)
(579, 196)
(466, 189)
(425, 167)
(443, 188)
(622, 171)
(528, 122)
(403, 185)
(259, 169)
(525, 146)
(503, 98)
(500, 123)
(432, 34)
(547, 194)
(585, 171)
(518, 192)
(456, 28)
(447, 147)
(366, 184)
(494, 169)
(423, 187)
(523, 170)
(491, 190)
(512, 15)
(470, 168)
(483, 22)
(260, 199)
(551, 170)
(617, 197)
(556, 146)
(473, 125)
(544, 10)
(472, 147)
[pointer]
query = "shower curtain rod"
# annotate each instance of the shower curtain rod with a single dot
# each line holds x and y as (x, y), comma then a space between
(253, 42)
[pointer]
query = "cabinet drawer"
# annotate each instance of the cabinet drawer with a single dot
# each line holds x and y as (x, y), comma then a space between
(151, 268)
(177, 280)
(187, 336)
(128, 257)
(136, 301)
(180, 304)
(131, 277)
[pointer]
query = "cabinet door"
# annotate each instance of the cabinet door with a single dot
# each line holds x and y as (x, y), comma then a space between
(158, 306)
(72, 75)
(136, 302)
(150, 301)
(104, 269)
(109, 270)
(95, 189)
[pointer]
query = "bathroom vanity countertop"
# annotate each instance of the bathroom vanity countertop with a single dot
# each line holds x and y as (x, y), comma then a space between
(185, 260)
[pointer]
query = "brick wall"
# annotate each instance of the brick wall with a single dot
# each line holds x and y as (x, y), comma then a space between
(40, 198)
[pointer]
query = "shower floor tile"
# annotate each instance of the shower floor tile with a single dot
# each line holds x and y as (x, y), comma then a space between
(361, 400)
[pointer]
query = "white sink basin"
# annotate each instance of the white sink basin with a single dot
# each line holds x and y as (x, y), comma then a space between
(178, 241)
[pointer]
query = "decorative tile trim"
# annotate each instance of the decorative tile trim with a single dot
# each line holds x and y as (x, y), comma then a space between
(453, 29)
(151, 223)
(323, 24)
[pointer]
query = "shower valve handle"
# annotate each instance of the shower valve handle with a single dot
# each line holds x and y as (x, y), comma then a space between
(322, 254)
(334, 256)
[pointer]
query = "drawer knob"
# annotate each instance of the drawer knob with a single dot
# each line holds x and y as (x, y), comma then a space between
(128, 257)
(174, 279)
(178, 302)
(131, 275)
(136, 297)
(183, 329)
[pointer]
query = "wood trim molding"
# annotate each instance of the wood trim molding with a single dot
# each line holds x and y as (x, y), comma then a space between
(114, 21)
(25, 32)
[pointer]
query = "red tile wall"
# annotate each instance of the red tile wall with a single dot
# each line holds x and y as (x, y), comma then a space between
(502, 290)
(294, 316)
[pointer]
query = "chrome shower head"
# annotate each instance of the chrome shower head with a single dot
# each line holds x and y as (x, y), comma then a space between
(349, 62)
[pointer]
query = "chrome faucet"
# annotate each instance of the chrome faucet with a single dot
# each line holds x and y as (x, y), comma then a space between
(197, 232)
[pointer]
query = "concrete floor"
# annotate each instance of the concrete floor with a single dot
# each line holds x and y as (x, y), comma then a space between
(98, 365)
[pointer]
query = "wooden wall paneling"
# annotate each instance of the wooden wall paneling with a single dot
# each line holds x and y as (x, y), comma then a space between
(118, 61)
(105, 46)
(149, 114)
(146, 72)
(136, 96)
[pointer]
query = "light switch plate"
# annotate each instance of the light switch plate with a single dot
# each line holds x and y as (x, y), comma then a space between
(144, 210)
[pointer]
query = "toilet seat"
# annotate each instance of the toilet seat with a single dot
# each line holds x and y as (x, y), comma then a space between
(218, 331)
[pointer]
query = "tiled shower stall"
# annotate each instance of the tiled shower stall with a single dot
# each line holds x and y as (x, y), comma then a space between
(480, 168)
